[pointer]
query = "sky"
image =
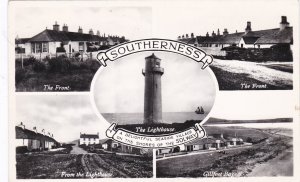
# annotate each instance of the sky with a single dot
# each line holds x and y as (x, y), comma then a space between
(159, 20)
(185, 86)
(133, 23)
(65, 116)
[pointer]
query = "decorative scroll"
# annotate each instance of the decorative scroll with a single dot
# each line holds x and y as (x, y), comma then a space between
(136, 46)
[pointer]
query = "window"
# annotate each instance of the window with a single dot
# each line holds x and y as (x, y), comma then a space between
(38, 47)
(32, 47)
(81, 46)
(242, 45)
(45, 47)
(157, 64)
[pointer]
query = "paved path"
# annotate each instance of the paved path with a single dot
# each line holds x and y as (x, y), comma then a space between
(77, 150)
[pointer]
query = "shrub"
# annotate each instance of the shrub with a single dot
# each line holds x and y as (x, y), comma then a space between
(20, 74)
(39, 66)
(21, 149)
(59, 64)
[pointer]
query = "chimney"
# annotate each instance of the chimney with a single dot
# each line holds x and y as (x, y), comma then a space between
(179, 37)
(213, 34)
(192, 35)
(248, 28)
(56, 26)
(22, 125)
(34, 129)
(43, 131)
(225, 31)
(186, 35)
(183, 36)
(80, 30)
(98, 33)
(236, 31)
(65, 28)
(218, 33)
(207, 35)
(91, 32)
(283, 24)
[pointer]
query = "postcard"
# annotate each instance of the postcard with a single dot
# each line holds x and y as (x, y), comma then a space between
(194, 90)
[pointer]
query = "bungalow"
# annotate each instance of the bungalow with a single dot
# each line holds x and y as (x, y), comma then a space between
(248, 39)
(33, 140)
(111, 145)
(89, 139)
(56, 41)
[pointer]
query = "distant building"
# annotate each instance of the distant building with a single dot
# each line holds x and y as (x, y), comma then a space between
(113, 146)
(56, 41)
(213, 43)
(215, 142)
(89, 139)
(33, 140)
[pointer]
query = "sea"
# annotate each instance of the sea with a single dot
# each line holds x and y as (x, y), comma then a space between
(137, 118)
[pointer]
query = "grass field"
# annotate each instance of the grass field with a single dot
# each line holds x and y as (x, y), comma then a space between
(52, 166)
(239, 161)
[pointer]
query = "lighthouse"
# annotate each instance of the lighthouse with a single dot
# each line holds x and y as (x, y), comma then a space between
(152, 97)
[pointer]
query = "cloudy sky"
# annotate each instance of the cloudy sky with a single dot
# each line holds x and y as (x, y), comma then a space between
(185, 86)
(63, 115)
(130, 22)
(157, 19)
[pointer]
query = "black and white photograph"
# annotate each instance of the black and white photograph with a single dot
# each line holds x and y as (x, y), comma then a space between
(237, 145)
(251, 52)
(170, 92)
(58, 53)
(68, 141)
(153, 90)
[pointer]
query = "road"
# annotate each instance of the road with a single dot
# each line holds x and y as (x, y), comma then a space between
(77, 150)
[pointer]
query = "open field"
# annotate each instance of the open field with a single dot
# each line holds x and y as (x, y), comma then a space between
(260, 76)
(267, 146)
(53, 166)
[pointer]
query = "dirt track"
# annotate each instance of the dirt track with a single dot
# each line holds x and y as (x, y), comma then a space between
(94, 164)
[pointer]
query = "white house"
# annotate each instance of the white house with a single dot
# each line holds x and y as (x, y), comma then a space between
(32, 139)
(213, 43)
(89, 139)
(56, 41)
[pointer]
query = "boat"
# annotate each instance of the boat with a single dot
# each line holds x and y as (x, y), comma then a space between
(199, 110)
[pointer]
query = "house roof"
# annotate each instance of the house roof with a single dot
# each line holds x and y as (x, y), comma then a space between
(202, 141)
(250, 40)
(60, 36)
(105, 140)
(268, 36)
(277, 36)
(25, 133)
(89, 136)
(22, 40)
(29, 134)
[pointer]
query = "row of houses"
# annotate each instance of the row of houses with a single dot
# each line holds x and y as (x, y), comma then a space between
(62, 41)
(33, 140)
(283, 35)
(107, 144)
(215, 142)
